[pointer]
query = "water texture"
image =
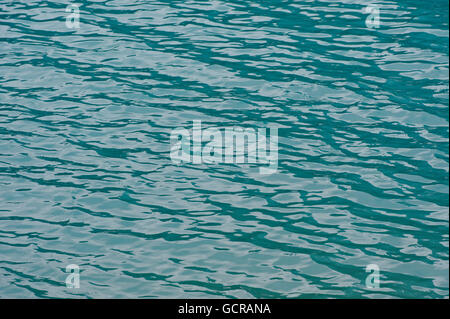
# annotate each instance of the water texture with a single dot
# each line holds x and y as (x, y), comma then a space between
(86, 176)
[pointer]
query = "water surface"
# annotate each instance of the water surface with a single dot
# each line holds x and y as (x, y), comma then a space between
(86, 177)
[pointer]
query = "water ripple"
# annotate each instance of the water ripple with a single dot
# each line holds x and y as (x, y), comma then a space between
(86, 177)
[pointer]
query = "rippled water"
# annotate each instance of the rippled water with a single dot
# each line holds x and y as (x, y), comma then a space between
(87, 179)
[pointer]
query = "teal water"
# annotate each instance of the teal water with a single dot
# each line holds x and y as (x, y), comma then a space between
(86, 176)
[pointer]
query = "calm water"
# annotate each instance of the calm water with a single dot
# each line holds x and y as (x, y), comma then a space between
(86, 176)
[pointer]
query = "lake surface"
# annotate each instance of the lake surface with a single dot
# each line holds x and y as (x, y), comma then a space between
(86, 176)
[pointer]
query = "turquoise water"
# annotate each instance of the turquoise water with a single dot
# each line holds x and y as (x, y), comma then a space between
(86, 176)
